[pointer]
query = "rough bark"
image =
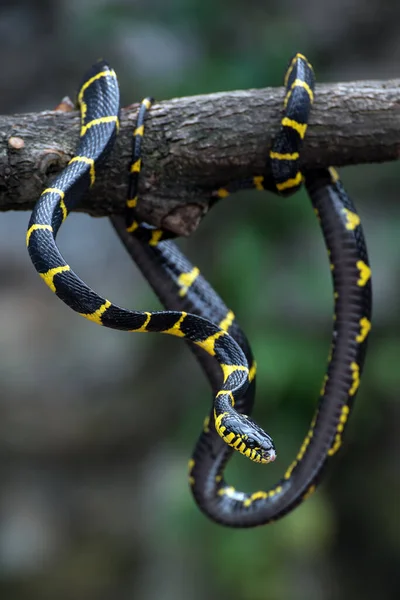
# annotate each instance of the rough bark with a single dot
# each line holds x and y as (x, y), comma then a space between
(195, 145)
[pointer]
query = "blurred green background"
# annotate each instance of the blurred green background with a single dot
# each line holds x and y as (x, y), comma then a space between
(97, 426)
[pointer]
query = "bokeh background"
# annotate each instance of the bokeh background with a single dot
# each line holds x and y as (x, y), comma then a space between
(97, 426)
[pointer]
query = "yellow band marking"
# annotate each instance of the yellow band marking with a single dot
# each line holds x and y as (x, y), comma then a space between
(229, 369)
(258, 182)
(108, 73)
(330, 353)
(35, 227)
(132, 227)
(227, 322)
(254, 458)
(206, 424)
(336, 445)
(365, 328)
(356, 378)
(88, 161)
(256, 496)
(222, 193)
(365, 273)
(353, 220)
(253, 370)
(288, 473)
(279, 156)
(261, 495)
(155, 237)
(309, 492)
(289, 70)
(48, 277)
(338, 437)
(97, 314)
(147, 103)
(238, 442)
(191, 464)
(299, 127)
(209, 343)
(305, 86)
(132, 202)
(185, 280)
(227, 393)
(176, 328)
(298, 83)
(139, 131)
(54, 191)
(334, 174)
(218, 421)
(227, 491)
(99, 121)
(63, 209)
(291, 66)
(289, 183)
(227, 438)
(303, 447)
(136, 166)
(325, 381)
(142, 328)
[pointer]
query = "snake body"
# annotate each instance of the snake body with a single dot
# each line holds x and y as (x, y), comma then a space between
(179, 284)
(98, 99)
(181, 287)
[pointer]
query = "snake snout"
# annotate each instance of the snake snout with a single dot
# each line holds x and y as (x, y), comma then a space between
(268, 456)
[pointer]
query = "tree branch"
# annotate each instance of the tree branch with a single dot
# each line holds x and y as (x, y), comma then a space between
(195, 145)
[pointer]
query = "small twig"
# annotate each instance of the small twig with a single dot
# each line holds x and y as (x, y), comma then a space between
(195, 145)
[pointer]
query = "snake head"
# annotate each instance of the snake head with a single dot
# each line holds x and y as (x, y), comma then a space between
(244, 435)
(259, 445)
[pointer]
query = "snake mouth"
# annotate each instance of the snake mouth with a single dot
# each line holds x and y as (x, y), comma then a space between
(268, 456)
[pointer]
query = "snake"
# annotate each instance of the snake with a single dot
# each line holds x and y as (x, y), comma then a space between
(179, 284)
(222, 433)
(99, 102)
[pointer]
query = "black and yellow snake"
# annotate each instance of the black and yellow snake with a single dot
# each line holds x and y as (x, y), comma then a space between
(181, 287)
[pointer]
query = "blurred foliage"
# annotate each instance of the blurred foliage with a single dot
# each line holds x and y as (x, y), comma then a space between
(266, 258)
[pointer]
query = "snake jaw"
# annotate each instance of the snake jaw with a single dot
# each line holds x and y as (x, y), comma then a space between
(268, 456)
